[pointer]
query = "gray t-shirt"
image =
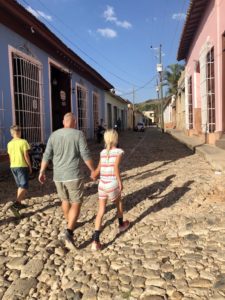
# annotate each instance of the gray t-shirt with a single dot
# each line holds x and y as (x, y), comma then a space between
(65, 147)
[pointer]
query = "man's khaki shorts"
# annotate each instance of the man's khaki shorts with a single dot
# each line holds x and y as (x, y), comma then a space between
(71, 191)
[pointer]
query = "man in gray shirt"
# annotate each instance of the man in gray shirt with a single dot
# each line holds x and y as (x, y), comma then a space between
(65, 147)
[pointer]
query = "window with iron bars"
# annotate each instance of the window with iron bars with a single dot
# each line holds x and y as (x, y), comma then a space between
(210, 89)
(82, 109)
(190, 103)
(95, 109)
(27, 98)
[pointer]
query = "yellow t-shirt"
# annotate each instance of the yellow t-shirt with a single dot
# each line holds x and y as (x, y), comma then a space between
(16, 149)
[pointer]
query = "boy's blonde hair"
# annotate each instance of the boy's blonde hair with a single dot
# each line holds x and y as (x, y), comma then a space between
(15, 129)
(110, 138)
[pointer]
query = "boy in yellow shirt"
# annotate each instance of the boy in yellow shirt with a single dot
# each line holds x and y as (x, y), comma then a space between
(20, 166)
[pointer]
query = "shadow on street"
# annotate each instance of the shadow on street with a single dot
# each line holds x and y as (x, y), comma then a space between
(152, 191)
(167, 201)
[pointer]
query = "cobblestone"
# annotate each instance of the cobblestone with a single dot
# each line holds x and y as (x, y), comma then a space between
(174, 248)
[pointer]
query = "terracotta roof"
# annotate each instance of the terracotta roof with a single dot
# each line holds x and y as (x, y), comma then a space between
(194, 16)
(17, 18)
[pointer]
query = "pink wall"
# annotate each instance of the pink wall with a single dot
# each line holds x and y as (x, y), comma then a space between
(210, 29)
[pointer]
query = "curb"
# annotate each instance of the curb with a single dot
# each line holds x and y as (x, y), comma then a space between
(212, 154)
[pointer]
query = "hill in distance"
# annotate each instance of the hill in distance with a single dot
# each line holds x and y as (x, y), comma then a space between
(147, 105)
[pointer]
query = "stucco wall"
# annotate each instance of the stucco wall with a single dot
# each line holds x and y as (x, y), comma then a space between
(120, 107)
(10, 38)
(208, 33)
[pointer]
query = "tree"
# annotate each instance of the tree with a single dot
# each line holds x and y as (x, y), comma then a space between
(171, 76)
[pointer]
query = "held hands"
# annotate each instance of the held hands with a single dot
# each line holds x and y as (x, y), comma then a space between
(93, 175)
(42, 178)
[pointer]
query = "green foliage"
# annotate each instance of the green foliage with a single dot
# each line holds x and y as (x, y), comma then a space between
(171, 76)
(147, 105)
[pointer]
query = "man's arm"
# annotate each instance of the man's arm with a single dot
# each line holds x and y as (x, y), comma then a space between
(84, 151)
(96, 171)
(85, 154)
(48, 155)
(42, 176)
(89, 163)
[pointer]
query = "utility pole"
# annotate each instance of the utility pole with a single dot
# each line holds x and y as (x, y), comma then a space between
(158, 103)
(160, 71)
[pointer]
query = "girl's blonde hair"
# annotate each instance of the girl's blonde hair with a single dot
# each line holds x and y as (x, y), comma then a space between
(110, 138)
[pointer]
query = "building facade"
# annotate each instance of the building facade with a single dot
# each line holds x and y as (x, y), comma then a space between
(138, 117)
(180, 103)
(150, 117)
(116, 111)
(169, 112)
(202, 46)
(41, 79)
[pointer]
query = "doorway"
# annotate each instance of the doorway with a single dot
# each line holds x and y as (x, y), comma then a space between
(61, 96)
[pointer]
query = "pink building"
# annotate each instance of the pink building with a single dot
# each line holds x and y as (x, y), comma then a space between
(202, 45)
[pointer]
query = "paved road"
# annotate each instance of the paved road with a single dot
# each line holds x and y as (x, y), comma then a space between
(174, 248)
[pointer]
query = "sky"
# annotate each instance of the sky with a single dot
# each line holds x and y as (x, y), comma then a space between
(119, 38)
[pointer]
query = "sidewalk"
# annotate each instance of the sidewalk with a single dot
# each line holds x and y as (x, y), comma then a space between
(213, 155)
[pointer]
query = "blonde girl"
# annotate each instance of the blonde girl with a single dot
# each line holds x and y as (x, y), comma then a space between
(110, 184)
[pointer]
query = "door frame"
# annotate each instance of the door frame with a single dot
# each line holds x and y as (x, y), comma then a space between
(57, 65)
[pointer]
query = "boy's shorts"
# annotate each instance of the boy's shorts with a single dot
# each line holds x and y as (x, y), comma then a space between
(71, 191)
(21, 176)
(108, 190)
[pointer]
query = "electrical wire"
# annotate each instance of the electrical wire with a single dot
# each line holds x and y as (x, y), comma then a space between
(178, 23)
(72, 43)
(89, 44)
(141, 87)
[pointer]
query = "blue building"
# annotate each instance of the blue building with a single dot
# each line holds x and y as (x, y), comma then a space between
(41, 79)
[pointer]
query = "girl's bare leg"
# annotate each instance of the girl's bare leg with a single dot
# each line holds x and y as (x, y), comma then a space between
(100, 214)
(119, 206)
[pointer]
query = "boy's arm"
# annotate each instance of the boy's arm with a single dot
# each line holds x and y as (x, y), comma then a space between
(117, 171)
(27, 159)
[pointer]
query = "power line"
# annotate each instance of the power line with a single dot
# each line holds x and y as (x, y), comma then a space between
(178, 23)
(89, 44)
(139, 88)
(72, 43)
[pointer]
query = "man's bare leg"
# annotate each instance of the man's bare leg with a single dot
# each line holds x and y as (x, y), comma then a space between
(65, 208)
(73, 215)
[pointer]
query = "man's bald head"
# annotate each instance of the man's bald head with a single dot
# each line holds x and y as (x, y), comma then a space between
(69, 120)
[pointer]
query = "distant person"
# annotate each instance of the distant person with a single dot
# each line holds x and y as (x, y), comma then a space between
(110, 184)
(20, 166)
(100, 131)
(118, 123)
(65, 147)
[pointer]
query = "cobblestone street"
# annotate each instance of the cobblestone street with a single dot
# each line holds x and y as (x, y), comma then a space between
(174, 248)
